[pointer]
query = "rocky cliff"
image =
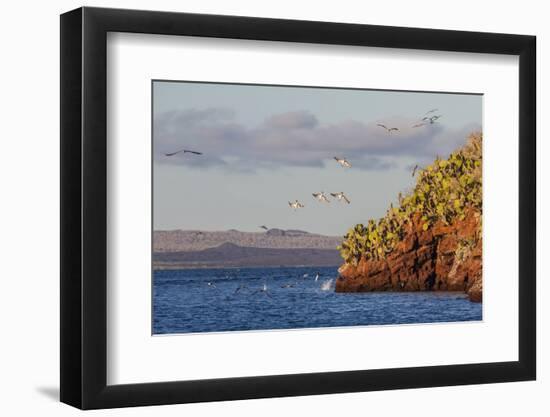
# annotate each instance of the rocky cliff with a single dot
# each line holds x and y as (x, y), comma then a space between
(431, 242)
(441, 258)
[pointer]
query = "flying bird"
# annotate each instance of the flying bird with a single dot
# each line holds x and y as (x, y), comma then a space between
(343, 161)
(340, 196)
(388, 129)
(263, 227)
(184, 151)
(432, 119)
(427, 119)
(321, 197)
(295, 205)
(414, 170)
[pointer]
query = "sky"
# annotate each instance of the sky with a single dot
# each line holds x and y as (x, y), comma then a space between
(263, 146)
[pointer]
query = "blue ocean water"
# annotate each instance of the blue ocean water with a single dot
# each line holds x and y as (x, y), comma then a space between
(216, 300)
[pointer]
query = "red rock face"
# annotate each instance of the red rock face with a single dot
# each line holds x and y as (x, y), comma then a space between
(442, 258)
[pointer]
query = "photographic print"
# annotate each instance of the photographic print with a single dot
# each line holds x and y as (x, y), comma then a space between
(287, 207)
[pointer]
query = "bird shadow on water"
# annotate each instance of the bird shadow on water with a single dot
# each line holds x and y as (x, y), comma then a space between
(50, 392)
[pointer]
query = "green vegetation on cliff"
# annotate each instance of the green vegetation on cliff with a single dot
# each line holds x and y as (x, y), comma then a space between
(444, 191)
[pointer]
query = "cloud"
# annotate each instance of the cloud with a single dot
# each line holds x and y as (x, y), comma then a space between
(292, 120)
(296, 139)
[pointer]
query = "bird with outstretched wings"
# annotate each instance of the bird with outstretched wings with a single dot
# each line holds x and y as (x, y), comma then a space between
(340, 196)
(388, 129)
(343, 161)
(183, 151)
(432, 119)
(321, 197)
(295, 205)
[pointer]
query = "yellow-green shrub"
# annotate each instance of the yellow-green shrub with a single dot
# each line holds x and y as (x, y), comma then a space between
(444, 191)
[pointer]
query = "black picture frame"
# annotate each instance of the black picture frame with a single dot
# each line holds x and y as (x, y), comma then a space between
(84, 207)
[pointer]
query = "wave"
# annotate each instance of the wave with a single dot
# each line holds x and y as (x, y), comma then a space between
(327, 285)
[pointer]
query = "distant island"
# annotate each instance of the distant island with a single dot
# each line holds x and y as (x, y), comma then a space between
(182, 249)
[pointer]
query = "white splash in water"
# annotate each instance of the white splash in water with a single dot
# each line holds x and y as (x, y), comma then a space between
(325, 286)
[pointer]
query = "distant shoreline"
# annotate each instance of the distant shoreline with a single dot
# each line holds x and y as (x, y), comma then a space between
(247, 253)
(197, 240)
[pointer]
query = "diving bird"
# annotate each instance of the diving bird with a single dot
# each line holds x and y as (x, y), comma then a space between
(211, 284)
(325, 286)
(343, 161)
(388, 129)
(295, 205)
(340, 196)
(317, 276)
(184, 151)
(263, 290)
(321, 197)
(263, 227)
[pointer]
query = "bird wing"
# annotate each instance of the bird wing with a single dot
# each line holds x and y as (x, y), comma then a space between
(184, 151)
(345, 198)
(393, 128)
(334, 194)
(174, 153)
(418, 125)
(381, 125)
(316, 195)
